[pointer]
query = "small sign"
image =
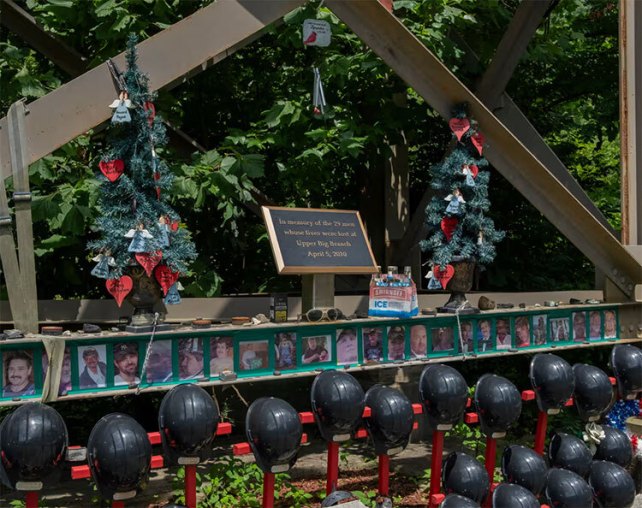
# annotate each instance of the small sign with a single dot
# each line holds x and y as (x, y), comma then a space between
(310, 240)
(316, 33)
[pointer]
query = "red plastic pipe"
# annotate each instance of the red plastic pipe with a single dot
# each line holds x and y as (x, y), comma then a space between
(435, 465)
(491, 450)
(118, 504)
(190, 485)
(333, 467)
(540, 432)
(31, 500)
(268, 490)
(384, 475)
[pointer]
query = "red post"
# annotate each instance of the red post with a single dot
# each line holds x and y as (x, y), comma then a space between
(190, 485)
(384, 475)
(491, 449)
(268, 490)
(540, 432)
(118, 504)
(31, 500)
(435, 465)
(333, 467)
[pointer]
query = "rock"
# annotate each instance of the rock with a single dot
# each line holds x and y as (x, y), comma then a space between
(91, 328)
(14, 334)
(485, 303)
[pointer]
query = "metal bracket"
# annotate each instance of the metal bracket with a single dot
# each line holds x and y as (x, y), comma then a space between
(21, 197)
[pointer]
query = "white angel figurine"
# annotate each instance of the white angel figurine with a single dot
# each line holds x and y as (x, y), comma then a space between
(122, 105)
(139, 238)
(470, 181)
(101, 270)
(433, 283)
(163, 226)
(455, 198)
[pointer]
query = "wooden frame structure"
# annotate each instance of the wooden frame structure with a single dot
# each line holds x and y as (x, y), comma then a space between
(32, 131)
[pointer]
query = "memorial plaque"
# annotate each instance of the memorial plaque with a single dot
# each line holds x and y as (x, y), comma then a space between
(309, 240)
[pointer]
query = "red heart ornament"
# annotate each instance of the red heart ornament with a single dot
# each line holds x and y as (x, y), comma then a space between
(174, 225)
(120, 288)
(112, 169)
(478, 141)
(149, 260)
(443, 275)
(473, 170)
(459, 126)
(166, 277)
(150, 109)
(448, 225)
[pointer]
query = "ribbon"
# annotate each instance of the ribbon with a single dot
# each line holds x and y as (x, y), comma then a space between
(593, 435)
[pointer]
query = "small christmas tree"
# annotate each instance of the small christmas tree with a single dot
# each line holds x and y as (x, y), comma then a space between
(142, 244)
(461, 235)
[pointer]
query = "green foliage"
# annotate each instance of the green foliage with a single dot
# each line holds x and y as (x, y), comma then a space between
(231, 483)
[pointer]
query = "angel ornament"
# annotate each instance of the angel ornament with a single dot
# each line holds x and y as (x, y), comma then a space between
(163, 227)
(470, 181)
(455, 199)
(122, 106)
(101, 270)
(480, 238)
(173, 296)
(139, 238)
(433, 283)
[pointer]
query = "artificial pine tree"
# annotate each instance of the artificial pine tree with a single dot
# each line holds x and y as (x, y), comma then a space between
(460, 234)
(142, 248)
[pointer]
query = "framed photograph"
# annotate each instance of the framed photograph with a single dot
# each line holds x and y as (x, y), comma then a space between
(503, 338)
(396, 343)
(559, 329)
(418, 341)
(18, 375)
(126, 368)
(595, 325)
(253, 355)
(159, 362)
(317, 349)
(372, 344)
(522, 331)
(221, 355)
(484, 336)
(579, 326)
(92, 366)
(347, 346)
(539, 329)
(443, 339)
(65, 374)
(190, 358)
(610, 324)
(285, 350)
(467, 343)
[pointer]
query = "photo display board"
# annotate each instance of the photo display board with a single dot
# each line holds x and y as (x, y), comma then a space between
(309, 240)
(102, 364)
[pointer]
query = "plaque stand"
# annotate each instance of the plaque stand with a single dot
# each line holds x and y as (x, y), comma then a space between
(317, 292)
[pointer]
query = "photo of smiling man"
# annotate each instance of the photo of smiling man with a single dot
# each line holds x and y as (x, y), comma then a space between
(18, 374)
(126, 364)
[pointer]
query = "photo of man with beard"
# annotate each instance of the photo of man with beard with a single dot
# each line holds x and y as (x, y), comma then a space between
(18, 373)
(126, 364)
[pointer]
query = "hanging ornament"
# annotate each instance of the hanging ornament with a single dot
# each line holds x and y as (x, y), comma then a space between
(173, 296)
(318, 97)
(139, 238)
(443, 275)
(166, 277)
(478, 141)
(448, 225)
(173, 225)
(459, 126)
(112, 169)
(470, 181)
(455, 199)
(101, 270)
(480, 238)
(474, 170)
(149, 260)
(120, 288)
(121, 114)
(150, 110)
(316, 32)
(433, 283)
(122, 97)
(163, 227)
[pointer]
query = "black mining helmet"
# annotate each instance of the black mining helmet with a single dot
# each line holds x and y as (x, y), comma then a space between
(444, 393)
(457, 501)
(626, 362)
(391, 419)
(462, 474)
(188, 418)
(593, 391)
(119, 455)
(337, 403)
(508, 495)
(274, 431)
(569, 452)
(498, 404)
(33, 444)
(566, 489)
(553, 381)
(615, 447)
(525, 467)
(612, 485)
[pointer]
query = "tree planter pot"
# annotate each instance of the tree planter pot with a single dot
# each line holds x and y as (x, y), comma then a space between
(461, 282)
(145, 297)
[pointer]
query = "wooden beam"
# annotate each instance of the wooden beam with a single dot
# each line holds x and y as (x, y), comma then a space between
(421, 70)
(189, 46)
